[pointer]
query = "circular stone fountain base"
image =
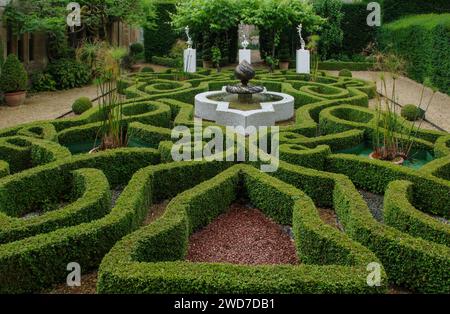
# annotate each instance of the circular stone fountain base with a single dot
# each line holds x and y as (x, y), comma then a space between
(221, 113)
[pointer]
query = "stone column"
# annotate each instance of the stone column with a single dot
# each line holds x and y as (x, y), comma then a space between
(190, 60)
(245, 54)
(303, 61)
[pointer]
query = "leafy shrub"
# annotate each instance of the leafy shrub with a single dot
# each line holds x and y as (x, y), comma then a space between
(177, 49)
(331, 35)
(41, 82)
(69, 73)
(128, 61)
(81, 105)
(14, 78)
(284, 56)
(159, 40)
(166, 61)
(216, 56)
(412, 112)
(2, 58)
(357, 34)
(136, 49)
(345, 72)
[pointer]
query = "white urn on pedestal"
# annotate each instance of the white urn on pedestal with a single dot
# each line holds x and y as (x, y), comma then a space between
(190, 60)
(189, 55)
(303, 61)
(303, 55)
(245, 54)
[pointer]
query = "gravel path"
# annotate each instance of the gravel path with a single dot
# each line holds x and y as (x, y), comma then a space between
(329, 217)
(50, 105)
(155, 211)
(242, 236)
(44, 106)
(375, 203)
(409, 93)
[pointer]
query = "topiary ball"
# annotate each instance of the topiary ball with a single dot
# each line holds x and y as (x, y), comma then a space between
(14, 78)
(345, 73)
(81, 105)
(147, 69)
(136, 48)
(412, 112)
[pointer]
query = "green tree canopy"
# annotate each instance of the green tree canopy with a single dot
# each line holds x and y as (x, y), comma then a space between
(49, 16)
(217, 15)
(206, 16)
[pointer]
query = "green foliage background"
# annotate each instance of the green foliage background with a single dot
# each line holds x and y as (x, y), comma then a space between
(159, 39)
(424, 42)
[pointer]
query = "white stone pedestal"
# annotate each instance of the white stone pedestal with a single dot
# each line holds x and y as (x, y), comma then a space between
(245, 54)
(303, 61)
(190, 60)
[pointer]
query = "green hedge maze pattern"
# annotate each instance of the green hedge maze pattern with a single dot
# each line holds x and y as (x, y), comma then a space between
(57, 201)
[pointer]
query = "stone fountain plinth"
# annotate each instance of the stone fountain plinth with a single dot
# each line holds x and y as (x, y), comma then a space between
(265, 108)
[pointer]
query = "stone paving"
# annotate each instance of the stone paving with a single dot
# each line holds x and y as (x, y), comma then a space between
(44, 106)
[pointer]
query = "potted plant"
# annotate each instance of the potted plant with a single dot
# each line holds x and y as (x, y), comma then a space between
(284, 59)
(207, 59)
(14, 81)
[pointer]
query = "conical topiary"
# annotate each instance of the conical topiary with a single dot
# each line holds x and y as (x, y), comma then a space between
(13, 78)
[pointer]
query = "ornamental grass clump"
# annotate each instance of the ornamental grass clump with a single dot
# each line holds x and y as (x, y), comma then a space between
(388, 142)
(112, 133)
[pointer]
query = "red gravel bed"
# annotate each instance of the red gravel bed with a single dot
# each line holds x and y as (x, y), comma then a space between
(242, 236)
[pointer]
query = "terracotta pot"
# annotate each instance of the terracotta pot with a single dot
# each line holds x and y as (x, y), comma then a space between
(207, 64)
(15, 99)
(397, 162)
(284, 65)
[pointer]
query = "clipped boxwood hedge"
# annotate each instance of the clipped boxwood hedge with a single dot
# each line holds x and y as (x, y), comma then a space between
(36, 262)
(91, 199)
(402, 215)
(424, 42)
(331, 115)
(431, 194)
(442, 146)
(4, 168)
(23, 152)
(150, 260)
(411, 262)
